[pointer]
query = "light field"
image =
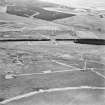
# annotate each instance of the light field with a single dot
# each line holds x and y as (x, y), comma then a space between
(50, 73)
(51, 67)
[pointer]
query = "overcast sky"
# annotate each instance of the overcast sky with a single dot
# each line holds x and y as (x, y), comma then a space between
(80, 3)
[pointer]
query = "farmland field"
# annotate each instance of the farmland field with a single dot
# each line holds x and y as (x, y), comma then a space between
(53, 66)
(49, 57)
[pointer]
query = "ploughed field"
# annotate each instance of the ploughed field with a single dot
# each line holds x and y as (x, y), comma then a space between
(37, 12)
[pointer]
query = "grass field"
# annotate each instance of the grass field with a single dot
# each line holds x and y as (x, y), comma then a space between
(49, 72)
(56, 66)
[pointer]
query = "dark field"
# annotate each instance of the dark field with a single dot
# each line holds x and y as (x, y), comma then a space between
(37, 12)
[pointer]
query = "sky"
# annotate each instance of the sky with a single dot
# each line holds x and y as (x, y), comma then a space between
(80, 3)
